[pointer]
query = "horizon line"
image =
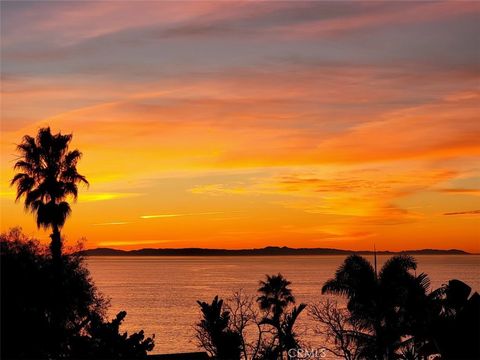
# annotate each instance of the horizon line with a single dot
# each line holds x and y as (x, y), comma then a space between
(279, 248)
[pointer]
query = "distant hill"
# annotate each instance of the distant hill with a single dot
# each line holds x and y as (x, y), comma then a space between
(266, 251)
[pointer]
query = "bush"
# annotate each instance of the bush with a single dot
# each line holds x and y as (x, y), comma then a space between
(214, 333)
(49, 308)
(104, 341)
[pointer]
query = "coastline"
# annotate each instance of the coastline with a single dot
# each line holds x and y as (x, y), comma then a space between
(267, 251)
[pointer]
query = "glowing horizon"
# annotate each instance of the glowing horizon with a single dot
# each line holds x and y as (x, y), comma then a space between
(243, 124)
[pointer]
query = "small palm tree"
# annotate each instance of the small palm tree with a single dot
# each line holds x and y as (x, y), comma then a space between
(47, 177)
(274, 300)
(275, 295)
(214, 333)
(382, 304)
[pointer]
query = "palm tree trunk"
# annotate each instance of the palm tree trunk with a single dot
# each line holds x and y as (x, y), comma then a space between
(280, 337)
(57, 315)
(56, 244)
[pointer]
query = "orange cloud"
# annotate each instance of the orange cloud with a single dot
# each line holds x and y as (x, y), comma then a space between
(438, 130)
(473, 192)
(470, 212)
(112, 223)
(164, 216)
(369, 194)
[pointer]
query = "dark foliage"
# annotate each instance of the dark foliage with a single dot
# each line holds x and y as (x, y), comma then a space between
(241, 331)
(455, 328)
(275, 295)
(52, 314)
(275, 299)
(391, 315)
(385, 305)
(214, 333)
(104, 341)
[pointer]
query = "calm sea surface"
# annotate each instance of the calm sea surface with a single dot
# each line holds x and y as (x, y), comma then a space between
(160, 293)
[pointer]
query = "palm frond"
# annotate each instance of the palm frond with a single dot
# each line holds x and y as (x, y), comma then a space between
(24, 182)
(27, 146)
(423, 281)
(25, 166)
(333, 286)
(18, 177)
(400, 262)
(72, 157)
(43, 215)
(63, 211)
(291, 318)
(44, 139)
(354, 276)
(81, 178)
(33, 196)
(70, 188)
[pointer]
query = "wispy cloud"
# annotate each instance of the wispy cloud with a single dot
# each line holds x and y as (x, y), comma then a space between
(89, 197)
(8, 194)
(469, 212)
(219, 189)
(380, 16)
(159, 216)
(85, 196)
(473, 192)
(112, 223)
(370, 194)
(163, 216)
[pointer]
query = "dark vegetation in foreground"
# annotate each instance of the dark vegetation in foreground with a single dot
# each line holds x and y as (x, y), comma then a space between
(49, 313)
(50, 308)
(389, 315)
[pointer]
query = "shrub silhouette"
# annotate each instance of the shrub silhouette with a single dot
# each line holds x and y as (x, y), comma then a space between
(104, 341)
(214, 333)
(54, 318)
(455, 328)
(242, 331)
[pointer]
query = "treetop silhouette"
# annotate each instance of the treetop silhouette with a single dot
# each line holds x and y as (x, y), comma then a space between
(47, 176)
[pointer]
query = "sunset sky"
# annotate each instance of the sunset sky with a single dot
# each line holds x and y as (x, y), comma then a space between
(246, 124)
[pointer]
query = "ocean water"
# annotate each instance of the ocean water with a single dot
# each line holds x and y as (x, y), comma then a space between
(160, 293)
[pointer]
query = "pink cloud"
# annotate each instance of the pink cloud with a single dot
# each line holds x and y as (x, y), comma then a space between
(416, 12)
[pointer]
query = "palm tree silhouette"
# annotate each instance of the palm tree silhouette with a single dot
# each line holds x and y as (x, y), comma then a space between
(381, 304)
(275, 295)
(47, 177)
(455, 329)
(274, 299)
